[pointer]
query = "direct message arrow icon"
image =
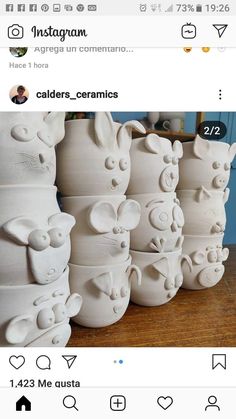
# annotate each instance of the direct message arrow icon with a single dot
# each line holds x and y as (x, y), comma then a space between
(221, 28)
(70, 359)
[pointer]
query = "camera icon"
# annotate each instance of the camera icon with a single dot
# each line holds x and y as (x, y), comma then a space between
(15, 32)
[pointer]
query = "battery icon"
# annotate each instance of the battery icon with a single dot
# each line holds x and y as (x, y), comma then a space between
(199, 8)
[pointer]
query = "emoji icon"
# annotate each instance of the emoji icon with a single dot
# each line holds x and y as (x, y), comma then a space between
(206, 49)
(187, 49)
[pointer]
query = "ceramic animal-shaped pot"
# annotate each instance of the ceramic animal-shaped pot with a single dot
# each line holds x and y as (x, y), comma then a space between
(160, 227)
(101, 235)
(105, 291)
(34, 235)
(27, 147)
(32, 315)
(207, 256)
(161, 277)
(154, 165)
(204, 211)
(206, 164)
(94, 159)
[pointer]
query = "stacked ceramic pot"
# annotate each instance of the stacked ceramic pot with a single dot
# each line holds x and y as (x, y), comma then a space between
(157, 241)
(204, 175)
(93, 175)
(35, 300)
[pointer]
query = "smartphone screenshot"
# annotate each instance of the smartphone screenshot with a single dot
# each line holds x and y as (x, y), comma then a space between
(117, 209)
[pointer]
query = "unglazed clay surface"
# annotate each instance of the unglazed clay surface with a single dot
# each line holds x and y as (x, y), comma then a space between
(207, 256)
(101, 235)
(161, 277)
(27, 146)
(154, 165)
(105, 291)
(204, 211)
(94, 157)
(205, 164)
(160, 227)
(39, 315)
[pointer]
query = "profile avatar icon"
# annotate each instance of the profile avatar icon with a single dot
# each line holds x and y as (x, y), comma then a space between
(21, 95)
(212, 400)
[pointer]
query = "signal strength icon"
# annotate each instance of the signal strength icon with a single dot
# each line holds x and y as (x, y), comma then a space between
(170, 9)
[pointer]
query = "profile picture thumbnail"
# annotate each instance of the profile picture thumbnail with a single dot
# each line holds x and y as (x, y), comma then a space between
(18, 52)
(19, 94)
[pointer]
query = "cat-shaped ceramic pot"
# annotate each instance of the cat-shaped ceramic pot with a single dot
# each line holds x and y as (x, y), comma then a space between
(27, 147)
(101, 235)
(32, 315)
(161, 223)
(154, 165)
(204, 211)
(161, 277)
(207, 255)
(205, 164)
(34, 235)
(105, 291)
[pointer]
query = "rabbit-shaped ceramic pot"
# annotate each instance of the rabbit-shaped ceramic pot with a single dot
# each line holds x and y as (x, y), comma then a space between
(206, 164)
(27, 147)
(34, 235)
(101, 235)
(32, 315)
(204, 211)
(161, 223)
(207, 256)
(105, 291)
(94, 159)
(161, 277)
(154, 165)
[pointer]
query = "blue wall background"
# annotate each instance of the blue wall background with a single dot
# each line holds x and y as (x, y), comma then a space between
(229, 118)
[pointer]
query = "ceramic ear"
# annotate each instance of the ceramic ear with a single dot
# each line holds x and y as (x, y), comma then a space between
(129, 213)
(162, 267)
(63, 220)
(152, 143)
(201, 147)
(198, 257)
(202, 193)
(102, 217)
(104, 130)
(187, 259)
(225, 253)
(104, 283)
(177, 149)
(135, 269)
(124, 135)
(19, 229)
(232, 152)
(226, 195)
(18, 329)
(73, 304)
(56, 124)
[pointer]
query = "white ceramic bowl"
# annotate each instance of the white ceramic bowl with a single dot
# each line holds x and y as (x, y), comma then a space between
(161, 277)
(32, 315)
(204, 211)
(205, 164)
(105, 291)
(160, 226)
(154, 165)
(207, 255)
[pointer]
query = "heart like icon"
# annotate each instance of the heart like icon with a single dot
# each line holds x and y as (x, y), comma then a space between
(17, 361)
(165, 402)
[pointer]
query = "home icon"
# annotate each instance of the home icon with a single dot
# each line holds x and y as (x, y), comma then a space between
(23, 404)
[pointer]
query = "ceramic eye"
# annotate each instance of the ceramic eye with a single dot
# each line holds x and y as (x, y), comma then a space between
(169, 284)
(160, 219)
(57, 237)
(123, 164)
(227, 166)
(46, 318)
(23, 133)
(116, 230)
(212, 256)
(167, 158)
(175, 160)
(39, 240)
(60, 312)
(216, 165)
(114, 294)
(110, 163)
(178, 280)
(124, 292)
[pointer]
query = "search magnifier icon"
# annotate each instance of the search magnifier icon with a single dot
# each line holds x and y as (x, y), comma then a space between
(70, 402)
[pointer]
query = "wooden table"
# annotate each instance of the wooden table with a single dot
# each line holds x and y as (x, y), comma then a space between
(192, 318)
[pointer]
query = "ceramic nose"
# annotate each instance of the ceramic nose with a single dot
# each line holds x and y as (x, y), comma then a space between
(123, 245)
(115, 181)
(219, 181)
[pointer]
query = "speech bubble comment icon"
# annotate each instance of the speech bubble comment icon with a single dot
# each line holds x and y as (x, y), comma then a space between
(43, 362)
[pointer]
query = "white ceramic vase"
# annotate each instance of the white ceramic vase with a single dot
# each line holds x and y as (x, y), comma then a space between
(160, 227)
(205, 164)
(101, 235)
(32, 315)
(154, 165)
(34, 235)
(94, 157)
(105, 291)
(161, 277)
(207, 256)
(204, 211)
(27, 150)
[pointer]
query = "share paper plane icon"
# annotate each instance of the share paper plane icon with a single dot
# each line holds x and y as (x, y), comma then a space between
(221, 28)
(70, 359)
